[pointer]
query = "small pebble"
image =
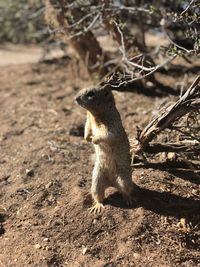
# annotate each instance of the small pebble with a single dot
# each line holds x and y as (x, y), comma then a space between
(48, 185)
(37, 246)
(171, 156)
(84, 251)
(136, 256)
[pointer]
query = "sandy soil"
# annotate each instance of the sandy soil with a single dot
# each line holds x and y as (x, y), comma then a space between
(45, 178)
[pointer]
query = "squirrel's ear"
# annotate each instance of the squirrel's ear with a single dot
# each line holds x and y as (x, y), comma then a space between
(107, 86)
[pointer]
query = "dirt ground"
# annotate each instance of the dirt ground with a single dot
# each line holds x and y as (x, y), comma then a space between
(45, 178)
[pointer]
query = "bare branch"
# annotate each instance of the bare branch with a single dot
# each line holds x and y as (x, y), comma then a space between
(172, 147)
(187, 103)
(87, 28)
(182, 13)
(178, 46)
(147, 74)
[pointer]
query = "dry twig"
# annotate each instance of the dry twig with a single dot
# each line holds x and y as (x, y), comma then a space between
(190, 101)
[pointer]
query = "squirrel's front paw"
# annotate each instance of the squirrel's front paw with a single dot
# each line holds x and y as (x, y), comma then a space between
(88, 138)
(95, 140)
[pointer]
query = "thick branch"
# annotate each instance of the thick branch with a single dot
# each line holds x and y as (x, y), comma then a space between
(171, 147)
(188, 102)
(166, 165)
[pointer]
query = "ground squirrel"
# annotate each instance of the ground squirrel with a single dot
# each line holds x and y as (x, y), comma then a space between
(105, 130)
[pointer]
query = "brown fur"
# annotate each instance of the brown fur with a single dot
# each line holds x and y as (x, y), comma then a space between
(105, 130)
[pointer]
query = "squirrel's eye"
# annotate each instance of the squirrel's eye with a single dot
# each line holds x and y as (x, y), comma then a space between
(90, 95)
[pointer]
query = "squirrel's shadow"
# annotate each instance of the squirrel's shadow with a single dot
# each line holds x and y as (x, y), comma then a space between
(163, 203)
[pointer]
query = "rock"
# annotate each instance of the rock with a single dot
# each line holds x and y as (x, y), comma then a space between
(37, 246)
(94, 221)
(171, 156)
(84, 250)
(48, 185)
(136, 256)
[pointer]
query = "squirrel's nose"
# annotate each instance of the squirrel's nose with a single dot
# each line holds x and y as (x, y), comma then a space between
(77, 98)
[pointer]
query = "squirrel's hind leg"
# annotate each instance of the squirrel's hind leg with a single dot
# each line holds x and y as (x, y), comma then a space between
(126, 187)
(99, 184)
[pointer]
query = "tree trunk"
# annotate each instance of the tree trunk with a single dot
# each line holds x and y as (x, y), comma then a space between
(85, 44)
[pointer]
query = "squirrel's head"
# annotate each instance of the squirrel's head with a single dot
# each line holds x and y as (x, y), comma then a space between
(95, 99)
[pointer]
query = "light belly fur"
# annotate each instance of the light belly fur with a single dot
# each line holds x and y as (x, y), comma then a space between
(106, 160)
